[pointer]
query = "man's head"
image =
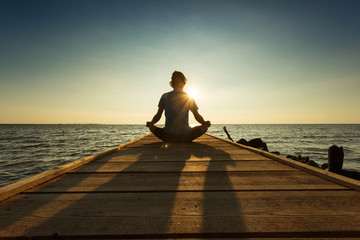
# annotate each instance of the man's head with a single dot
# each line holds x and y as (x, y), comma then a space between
(178, 80)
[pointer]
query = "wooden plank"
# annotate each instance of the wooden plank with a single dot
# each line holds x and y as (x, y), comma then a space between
(322, 213)
(124, 157)
(184, 146)
(188, 148)
(188, 181)
(183, 166)
(190, 151)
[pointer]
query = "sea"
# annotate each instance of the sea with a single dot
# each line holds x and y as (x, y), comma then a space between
(27, 149)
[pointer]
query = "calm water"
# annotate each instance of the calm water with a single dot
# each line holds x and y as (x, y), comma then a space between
(26, 150)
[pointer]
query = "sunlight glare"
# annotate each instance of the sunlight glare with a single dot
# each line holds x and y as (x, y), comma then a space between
(193, 93)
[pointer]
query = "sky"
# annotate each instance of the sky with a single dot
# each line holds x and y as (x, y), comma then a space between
(250, 62)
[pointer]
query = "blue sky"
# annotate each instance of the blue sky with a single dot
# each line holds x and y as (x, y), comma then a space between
(250, 61)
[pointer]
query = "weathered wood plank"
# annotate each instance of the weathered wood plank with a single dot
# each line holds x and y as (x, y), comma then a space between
(188, 181)
(184, 147)
(183, 166)
(188, 148)
(180, 213)
(191, 151)
(123, 157)
(193, 203)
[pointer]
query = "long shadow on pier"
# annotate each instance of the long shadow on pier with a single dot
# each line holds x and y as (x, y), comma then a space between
(170, 190)
(30, 210)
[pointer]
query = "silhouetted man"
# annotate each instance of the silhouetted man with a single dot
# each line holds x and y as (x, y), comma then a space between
(177, 104)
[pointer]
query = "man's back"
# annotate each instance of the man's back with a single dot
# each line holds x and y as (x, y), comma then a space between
(177, 104)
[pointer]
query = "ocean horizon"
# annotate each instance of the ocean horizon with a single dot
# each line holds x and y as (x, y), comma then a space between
(29, 149)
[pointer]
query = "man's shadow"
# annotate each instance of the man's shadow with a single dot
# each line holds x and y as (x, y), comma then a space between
(221, 207)
(154, 195)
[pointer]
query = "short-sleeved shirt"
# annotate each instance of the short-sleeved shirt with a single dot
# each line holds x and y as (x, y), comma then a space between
(177, 105)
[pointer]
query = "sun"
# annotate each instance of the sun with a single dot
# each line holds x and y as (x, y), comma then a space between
(193, 93)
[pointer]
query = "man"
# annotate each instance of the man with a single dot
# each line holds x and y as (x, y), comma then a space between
(177, 104)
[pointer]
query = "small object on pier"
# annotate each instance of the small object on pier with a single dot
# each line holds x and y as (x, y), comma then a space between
(227, 133)
(335, 158)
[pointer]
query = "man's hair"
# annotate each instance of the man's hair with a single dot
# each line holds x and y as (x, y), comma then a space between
(178, 77)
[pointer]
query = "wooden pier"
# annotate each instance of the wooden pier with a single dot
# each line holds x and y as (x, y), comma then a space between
(211, 188)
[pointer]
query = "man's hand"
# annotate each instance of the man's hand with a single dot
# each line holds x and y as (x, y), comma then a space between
(149, 124)
(207, 124)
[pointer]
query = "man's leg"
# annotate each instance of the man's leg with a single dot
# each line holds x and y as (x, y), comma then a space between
(197, 132)
(158, 132)
(169, 138)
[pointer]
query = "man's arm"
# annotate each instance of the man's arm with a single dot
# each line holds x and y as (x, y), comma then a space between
(156, 117)
(200, 119)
